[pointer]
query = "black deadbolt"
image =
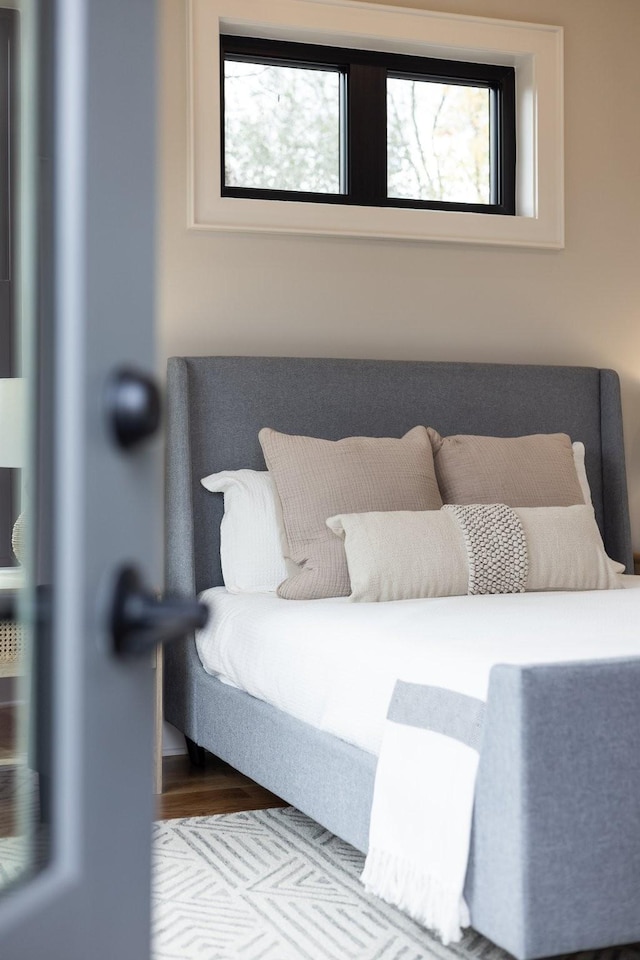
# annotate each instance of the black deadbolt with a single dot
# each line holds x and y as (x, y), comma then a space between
(132, 407)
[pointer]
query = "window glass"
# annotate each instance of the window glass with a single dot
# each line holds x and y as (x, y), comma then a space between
(281, 127)
(438, 141)
(335, 125)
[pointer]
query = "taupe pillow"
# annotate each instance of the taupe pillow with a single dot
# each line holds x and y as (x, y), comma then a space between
(403, 556)
(316, 479)
(532, 471)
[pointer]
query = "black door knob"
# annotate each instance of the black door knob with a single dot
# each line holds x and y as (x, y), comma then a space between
(140, 620)
(132, 407)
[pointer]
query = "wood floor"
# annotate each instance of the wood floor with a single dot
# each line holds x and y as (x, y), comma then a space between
(190, 791)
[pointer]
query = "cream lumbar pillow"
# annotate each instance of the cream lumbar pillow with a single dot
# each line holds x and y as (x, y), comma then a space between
(316, 479)
(566, 551)
(250, 551)
(403, 555)
(531, 471)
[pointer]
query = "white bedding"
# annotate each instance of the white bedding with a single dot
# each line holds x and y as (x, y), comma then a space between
(333, 663)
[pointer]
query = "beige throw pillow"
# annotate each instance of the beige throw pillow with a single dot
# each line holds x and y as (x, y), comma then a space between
(403, 556)
(316, 479)
(532, 471)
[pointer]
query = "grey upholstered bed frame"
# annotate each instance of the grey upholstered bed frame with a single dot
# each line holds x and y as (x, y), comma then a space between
(555, 858)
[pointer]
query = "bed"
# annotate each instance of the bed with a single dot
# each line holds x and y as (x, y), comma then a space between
(554, 864)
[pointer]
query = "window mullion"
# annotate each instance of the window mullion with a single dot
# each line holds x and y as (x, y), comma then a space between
(367, 125)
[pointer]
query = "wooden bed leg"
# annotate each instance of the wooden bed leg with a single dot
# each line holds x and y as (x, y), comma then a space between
(196, 753)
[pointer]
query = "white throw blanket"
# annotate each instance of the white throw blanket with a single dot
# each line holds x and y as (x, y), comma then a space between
(423, 805)
(425, 781)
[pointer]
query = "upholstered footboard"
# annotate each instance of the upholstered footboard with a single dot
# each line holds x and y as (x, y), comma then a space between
(555, 853)
(555, 866)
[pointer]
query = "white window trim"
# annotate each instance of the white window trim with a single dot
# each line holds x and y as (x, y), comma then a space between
(535, 50)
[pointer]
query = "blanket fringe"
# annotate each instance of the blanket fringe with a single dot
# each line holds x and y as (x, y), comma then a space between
(420, 894)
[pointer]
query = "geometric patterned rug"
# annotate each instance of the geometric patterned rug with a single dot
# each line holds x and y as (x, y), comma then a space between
(274, 885)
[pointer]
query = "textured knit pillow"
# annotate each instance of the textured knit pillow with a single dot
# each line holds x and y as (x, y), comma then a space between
(316, 479)
(250, 550)
(404, 556)
(531, 471)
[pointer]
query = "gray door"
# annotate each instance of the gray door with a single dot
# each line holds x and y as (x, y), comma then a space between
(75, 847)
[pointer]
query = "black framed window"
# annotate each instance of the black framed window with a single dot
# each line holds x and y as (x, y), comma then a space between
(335, 125)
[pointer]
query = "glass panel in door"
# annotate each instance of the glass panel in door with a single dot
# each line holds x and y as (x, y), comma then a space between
(24, 796)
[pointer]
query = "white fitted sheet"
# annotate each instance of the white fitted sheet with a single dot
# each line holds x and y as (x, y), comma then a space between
(333, 663)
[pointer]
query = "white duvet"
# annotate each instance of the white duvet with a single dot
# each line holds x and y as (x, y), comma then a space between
(333, 663)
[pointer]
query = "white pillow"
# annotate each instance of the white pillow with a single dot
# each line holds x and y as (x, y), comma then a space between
(250, 550)
(578, 459)
(581, 470)
(405, 555)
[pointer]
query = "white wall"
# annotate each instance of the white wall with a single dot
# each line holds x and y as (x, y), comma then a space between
(352, 298)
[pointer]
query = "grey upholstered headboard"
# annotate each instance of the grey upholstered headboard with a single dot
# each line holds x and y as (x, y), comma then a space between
(216, 405)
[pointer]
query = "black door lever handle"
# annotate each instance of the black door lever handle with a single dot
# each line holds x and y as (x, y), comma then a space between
(140, 620)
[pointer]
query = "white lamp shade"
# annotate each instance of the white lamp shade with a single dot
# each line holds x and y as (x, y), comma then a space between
(13, 422)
